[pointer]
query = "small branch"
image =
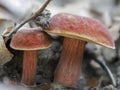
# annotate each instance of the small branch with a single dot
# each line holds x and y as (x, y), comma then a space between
(105, 67)
(29, 19)
(93, 56)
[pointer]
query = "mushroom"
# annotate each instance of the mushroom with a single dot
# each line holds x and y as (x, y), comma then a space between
(30, 40)
(77, 31)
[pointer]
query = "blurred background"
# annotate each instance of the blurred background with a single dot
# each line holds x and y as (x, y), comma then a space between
(20, 8)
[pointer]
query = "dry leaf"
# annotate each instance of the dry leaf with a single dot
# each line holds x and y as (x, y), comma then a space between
(5, 55)
(5, 27)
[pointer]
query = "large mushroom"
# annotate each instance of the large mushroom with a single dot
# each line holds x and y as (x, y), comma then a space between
(77, 31)
(30, 40)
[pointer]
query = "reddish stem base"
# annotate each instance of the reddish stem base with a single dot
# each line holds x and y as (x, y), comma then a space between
(29, 67)
(68, 69)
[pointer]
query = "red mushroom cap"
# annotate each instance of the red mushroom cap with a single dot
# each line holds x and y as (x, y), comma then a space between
(79, 27)
(30, 39)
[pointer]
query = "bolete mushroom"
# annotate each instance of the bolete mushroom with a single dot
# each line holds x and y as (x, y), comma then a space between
(30, 40)
(77, 31)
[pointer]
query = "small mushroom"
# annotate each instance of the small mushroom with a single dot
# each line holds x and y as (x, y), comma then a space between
(77, 31)
(30, 40)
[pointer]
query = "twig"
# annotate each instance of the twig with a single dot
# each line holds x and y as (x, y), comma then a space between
(105, 67)
(27, 20)
(93, 56)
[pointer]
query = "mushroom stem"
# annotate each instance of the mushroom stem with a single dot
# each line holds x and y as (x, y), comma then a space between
(29, 67)
(68, 69)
